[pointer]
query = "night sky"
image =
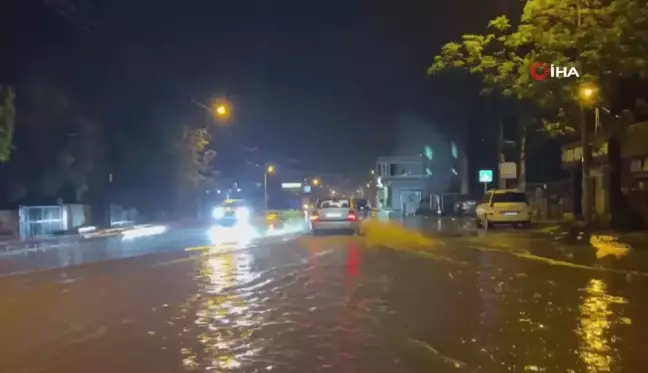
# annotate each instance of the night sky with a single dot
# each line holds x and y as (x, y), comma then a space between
(323, 82)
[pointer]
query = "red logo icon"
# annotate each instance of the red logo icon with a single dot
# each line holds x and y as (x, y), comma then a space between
(542, 67)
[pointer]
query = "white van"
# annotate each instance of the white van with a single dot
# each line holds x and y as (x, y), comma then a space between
(503, 206)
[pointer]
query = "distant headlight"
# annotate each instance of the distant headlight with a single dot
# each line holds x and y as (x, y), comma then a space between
(218, 213)
(242, 213)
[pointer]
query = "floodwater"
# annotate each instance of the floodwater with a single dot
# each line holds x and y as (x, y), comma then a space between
(460, 301)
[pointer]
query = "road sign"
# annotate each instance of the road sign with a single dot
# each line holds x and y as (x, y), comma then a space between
(508, 170)
(485, 176)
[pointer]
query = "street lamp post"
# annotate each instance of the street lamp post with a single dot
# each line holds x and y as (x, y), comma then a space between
(220, 110)
(267, 170)
(587, 96)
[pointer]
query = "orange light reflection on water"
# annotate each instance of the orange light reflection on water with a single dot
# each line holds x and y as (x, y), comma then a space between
(596, 319)
(224, 317)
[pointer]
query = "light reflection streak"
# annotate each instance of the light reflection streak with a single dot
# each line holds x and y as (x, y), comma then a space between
(595, 327)
(225, 319)
(241, 234)
(488, 291)
(353, 260)
(143, 231)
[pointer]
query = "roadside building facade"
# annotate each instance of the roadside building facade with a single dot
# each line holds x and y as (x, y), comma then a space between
(634, 172)
(419, 178)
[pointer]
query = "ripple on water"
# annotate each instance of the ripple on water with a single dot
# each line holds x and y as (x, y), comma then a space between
(293, 319)
(397, 312)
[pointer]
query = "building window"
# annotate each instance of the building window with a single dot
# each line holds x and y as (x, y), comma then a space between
(382, 169)
(635, 165)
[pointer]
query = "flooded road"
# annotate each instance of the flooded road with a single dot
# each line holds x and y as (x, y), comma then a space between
(465, 301)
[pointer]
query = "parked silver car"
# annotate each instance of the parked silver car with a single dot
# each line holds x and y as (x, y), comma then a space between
(334, 215)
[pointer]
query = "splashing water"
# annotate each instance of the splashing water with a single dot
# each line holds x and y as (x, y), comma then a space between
(395, 236)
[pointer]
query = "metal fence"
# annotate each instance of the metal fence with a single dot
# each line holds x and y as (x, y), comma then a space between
(550, 201)
(38, 221)
(439, 204)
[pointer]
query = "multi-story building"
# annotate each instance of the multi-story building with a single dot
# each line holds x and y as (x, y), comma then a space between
(402, 182)
(417, 177)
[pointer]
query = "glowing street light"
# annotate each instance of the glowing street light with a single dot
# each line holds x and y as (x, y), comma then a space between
(587, 92)
(373, 172)
(316, 182)
(221, 110)
(270, 169)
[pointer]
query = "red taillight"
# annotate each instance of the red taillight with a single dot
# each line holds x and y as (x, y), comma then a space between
(352, 215)
(314, 216)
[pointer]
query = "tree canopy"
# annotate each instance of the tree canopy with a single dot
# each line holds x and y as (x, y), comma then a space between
(604, 40)
(194, 157)
(57, 146)
(7, 118)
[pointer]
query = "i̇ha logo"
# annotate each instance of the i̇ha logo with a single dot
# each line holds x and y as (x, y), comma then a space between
(541, 70)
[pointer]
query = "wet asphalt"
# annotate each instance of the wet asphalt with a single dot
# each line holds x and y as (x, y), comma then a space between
(197, 300)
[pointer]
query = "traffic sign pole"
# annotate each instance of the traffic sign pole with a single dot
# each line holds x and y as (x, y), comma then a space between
(485, 177)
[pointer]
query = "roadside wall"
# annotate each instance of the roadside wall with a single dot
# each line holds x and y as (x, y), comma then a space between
(8, 224)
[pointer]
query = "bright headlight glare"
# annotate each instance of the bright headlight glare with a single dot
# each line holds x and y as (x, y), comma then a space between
(218, 212)
(242, 213)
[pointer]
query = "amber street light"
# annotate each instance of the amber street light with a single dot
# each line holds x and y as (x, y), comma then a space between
(316, 182)
(587, 92)
(221, 109)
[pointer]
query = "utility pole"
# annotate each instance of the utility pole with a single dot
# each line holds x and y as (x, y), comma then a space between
(586, 187)
(523, 125)
(464, 172)
(500, 155)
(265, 189)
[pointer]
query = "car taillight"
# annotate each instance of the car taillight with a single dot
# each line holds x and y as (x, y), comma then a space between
(314, 216)
(352, 215)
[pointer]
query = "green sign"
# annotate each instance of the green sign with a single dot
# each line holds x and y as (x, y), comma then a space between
(485, 176)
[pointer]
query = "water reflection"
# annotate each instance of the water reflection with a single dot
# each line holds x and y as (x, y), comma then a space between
(353, 260)
(242, 234)
(596, 318)
(225, 317)
(490, 292)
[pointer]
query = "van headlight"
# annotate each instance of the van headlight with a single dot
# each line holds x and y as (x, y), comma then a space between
(218, 213)
(242, 213)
